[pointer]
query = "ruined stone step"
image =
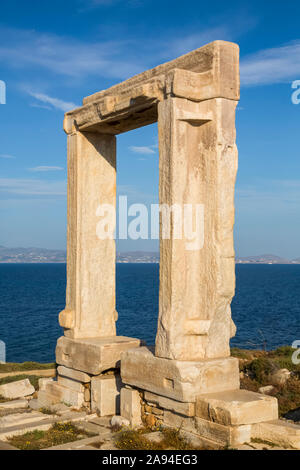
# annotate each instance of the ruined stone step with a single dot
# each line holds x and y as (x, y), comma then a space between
(79, 445)
(21, 418)
(43, 424)
(236, 407)
(14, 404)
(279, 432)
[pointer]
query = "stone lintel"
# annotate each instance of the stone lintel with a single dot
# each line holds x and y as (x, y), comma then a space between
(179, 380)
(209, 72)
(93, 355)
(73, 374)
(186, 409)
(236, 407)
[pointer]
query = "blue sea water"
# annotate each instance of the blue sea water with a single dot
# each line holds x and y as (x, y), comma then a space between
(266, 308)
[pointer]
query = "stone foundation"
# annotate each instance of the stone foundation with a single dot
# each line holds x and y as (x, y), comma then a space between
(226, 419)
(88, 374)
(178, 380)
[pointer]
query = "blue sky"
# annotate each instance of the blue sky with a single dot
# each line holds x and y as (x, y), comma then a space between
(52, 54)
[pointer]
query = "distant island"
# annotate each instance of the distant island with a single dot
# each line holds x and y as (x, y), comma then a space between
(43, 255)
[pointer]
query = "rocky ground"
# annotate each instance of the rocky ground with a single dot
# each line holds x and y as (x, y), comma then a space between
(23, 425)
(272, 373)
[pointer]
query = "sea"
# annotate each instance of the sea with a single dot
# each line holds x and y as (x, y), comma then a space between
(265, 309)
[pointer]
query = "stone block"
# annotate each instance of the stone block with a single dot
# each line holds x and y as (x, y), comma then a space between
(278, 432)
(236, 407)
(14, 404)
(70, 383)
(186, 409)
(266, 389)
(179, 380)
(93, 355)
(73, 374)
(228, 435)
(223, 435)
(43, 382)
(55, 393)
(34, 404)
(198, 442)
(105, 394)
(280, 377)
(21, 388)
(178, 421)
(131, 406)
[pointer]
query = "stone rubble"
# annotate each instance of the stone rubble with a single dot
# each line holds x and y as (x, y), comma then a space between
(18, 389)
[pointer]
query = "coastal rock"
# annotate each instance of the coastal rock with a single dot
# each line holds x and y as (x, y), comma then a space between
(119, 421)
(266, 390)
(21, 388)
(280, 377)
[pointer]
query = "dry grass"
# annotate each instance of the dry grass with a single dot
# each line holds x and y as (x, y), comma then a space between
(131, 439)
(60, 433)
(25, 366)
(258, 366)
(46, 411)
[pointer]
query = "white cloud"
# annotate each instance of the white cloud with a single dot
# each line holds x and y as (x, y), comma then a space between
(46, 168)
(4, 155)
(67, 56)
(142, 150)
(269, 66)
(273, 193)
(55, 102)
(19, 186)
(40, 106)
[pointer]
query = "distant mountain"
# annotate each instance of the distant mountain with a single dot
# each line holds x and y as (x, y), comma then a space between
(31, 255)
(138, 257)
(43, 255)
(265, 259)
